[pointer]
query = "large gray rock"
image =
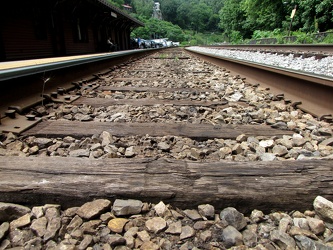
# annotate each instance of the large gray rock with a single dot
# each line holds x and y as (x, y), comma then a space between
(106, 138)
(306, 243)
(52, 228)
(43, 142)
(9, 211)
(93, 209)
(156, 224)
(283, 240)
(38, 226)
(21, 222)
(207, 211)
(324, 208)
(280, 150)
(126, 207)
(257, 216)
(192, 214)
(160, 208)
(79, 153)
(175, 228)
(233, 218)
(231, 237)
(187, 232)
(267, 157)
(317, 226)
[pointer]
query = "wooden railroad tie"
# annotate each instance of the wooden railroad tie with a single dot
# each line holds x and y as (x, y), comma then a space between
(104, 102)
(78, 129)
(70, 181)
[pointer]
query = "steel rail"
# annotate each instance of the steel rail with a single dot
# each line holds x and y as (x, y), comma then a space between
(311, 93)
(22, 87)
(319, 48)
(11, 73)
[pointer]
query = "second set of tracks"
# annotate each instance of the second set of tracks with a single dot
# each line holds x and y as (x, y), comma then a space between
(169, 127)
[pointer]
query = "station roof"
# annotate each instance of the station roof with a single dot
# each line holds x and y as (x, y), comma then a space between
(121, 13)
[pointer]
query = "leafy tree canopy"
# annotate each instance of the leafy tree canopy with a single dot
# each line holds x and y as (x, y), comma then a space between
(234, 18)
(117, 3)
(155, 28)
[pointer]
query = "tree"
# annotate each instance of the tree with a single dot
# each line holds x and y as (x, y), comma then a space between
(143, 7)
(169, 10)
(263, 14)
(316, 14)
(199, 16)
(155, 28)
(182, 15)
(232, 17)
(117, 3)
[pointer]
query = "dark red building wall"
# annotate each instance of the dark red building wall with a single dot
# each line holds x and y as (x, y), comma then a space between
(75, 46)
(47, 28)
(24, 35)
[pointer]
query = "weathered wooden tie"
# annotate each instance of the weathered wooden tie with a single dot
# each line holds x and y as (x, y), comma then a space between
(286, 186)
(146, 79)
(78, 129)
(104, 102)
(153, 89)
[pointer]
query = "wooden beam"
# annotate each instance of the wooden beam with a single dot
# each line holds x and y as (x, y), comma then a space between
(153, 89)
(146, 79)
(277, 185)
(104, 102)
(78, 129)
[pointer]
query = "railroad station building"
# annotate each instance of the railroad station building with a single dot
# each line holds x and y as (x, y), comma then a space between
(50, 28)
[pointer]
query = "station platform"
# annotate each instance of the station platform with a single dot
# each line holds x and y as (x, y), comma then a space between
(15, 69)
(34, 62)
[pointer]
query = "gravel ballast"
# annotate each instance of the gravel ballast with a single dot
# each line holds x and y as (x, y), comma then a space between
(310, 65)
(132, 224)
(135, 224)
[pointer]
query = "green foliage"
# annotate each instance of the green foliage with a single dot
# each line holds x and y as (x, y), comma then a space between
(302, 37)
(257, 34)
(232, 17)
(328, 39)
(262, 14)
(169, 10)
(316, 13)
(197, 38)
(231, 20)
(155, 28)
(199, 16)
(117, 3)
(236, 37)
(143, 7)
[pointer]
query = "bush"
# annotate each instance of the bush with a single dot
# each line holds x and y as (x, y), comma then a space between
(236, 37)
(302, 37)
(328, 39)
(257, 34)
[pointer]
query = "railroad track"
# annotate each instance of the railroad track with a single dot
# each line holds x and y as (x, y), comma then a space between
(175, 128)
(167, 127)
(309, 92)
(305, 50)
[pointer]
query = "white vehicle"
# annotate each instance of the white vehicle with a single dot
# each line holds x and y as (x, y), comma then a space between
(169, 44)
(160, 43)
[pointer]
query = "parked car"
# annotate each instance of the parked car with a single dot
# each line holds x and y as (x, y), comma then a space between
(147, 44)
(160, 43)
